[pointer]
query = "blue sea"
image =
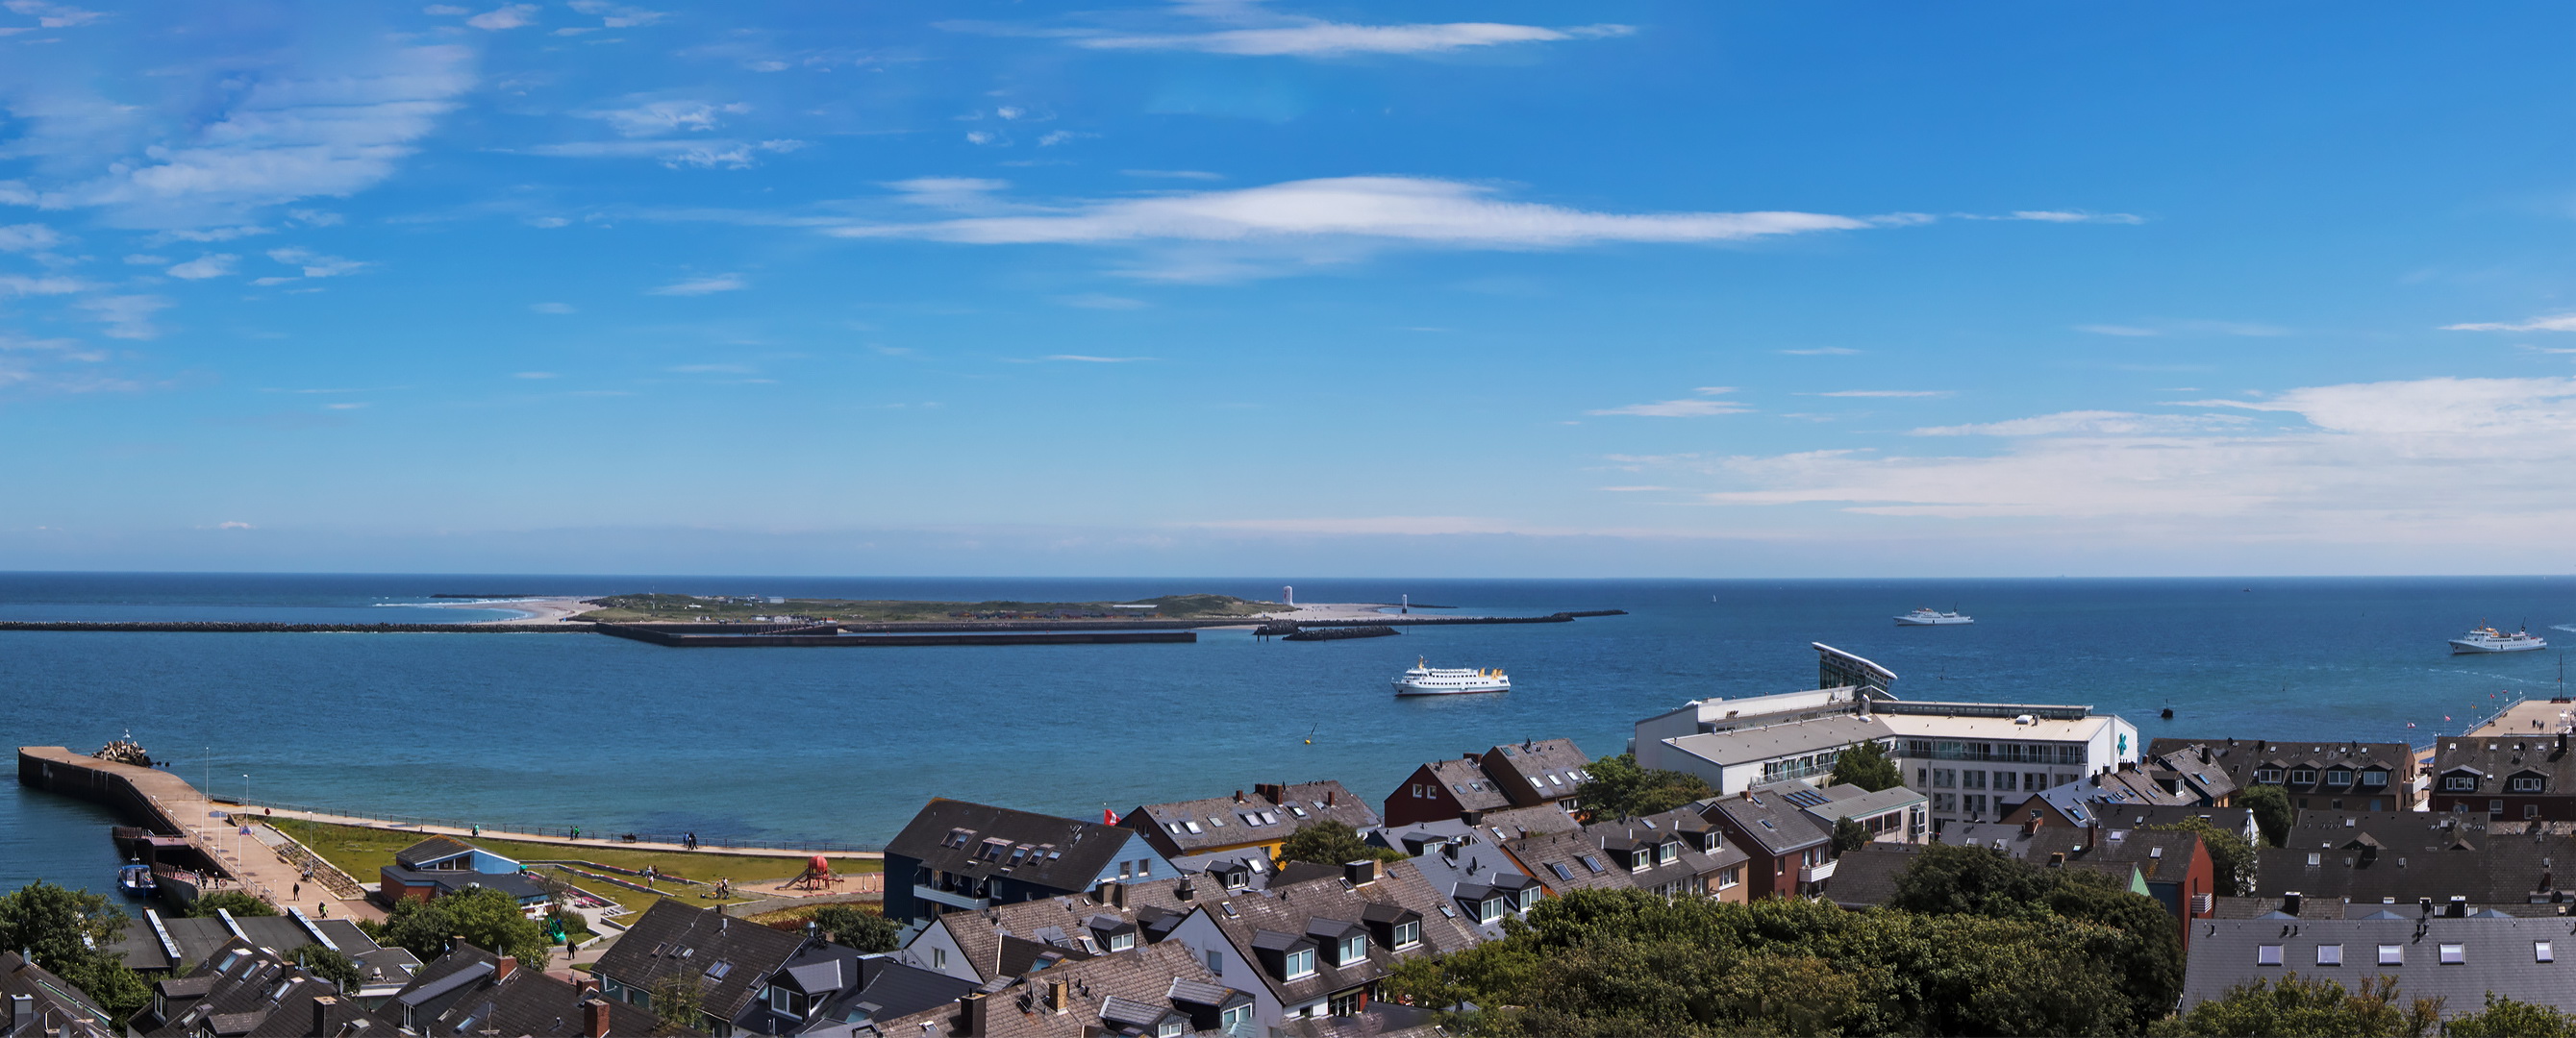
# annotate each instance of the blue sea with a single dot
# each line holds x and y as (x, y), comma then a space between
(786, 744)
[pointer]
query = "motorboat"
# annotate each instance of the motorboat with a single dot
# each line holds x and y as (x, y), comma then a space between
(1930, 617)
(2489, 639)
(1427, 680)
(135, 879)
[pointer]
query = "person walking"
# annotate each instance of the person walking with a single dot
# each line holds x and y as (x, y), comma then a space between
(299, 893)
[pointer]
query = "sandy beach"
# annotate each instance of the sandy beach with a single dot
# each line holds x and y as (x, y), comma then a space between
(541, 610)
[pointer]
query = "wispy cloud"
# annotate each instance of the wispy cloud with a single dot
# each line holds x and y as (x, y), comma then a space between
(687, 153)
(22, 285)
(702, 286)
(126, 317)
(1172, 174)
(2092, 423)
(655, 118)
(1700, 406)
(212, 265)
(28, 237)
(2552, 323)
(2057, 216)
(53, 16)
(1315, 38)
(1888, 392)
(506, 16)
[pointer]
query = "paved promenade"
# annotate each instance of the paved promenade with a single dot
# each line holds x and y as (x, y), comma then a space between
(2531, 717)
(586, 841)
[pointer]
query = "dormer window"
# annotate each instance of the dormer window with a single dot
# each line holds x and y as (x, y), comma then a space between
(2268, 776)
(1668, 852)
(1353, 949)
(1119, 942)
(1299, 963)
(1408, 933)
(2303, 776)
(2526, 784)
(2339, 777)
(2460, 783)
(1489, 909)
(1173, 1028)
(2374, 778)
(957, 838)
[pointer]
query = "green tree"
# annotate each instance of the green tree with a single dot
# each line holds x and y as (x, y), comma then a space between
(1619, 788)
(1328, 842)
(2506, 1018)
(64, 930)
(1947, 879)
(328, 965)
(1848, 834)
(2231, 859)
(486, 918)
(2299, 1005)
(1866, 764)
(2271, 805)
(858, 929)
(679, 1001)
(241, 903)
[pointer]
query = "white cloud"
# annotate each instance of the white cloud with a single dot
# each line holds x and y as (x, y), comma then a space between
(1055, 137)
(126, 317)
(1315, 38)
(2058, 216)
(551, 308)
(1391, 209)
(316, 217)
(1889, 392)
(702, 286)
(1173, 174)
(506, 16)
(316, 265)
(22, 285)
(549, 222)
(618, 16)
(2091, 423)
(2552, 323)
(984, 137)
(211, 265)
(53, 16)
(1699, 407)
(699, 153)
(234, 524)
(141, 259)
(28, 237)
(655, 118)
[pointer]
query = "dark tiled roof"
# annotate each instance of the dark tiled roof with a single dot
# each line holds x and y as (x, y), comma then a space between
(1867, 875)
(2496, 760)
(889, 989)
(517, 886)
(1100, 996)
(2474, 865)
(1469, 785)
(255, 994)
(1767, 818)
(1294, 909)
(2494, 955)
(952, 836)
(1308, 802)
(2238, 759)
(456, 995)
(1545, 818)
(2159, 855)
(2332, 908)
(60, 1007)
(1195, 826)
(1539, 770)
(672, 939)
(431, 849)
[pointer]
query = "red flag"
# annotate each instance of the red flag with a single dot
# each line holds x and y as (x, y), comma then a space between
(1108, 817)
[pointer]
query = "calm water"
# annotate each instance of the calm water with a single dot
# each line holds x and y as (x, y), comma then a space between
(846, 743)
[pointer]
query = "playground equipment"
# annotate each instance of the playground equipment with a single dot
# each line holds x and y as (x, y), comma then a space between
(817, 876)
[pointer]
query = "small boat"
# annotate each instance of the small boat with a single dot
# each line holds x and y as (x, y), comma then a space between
(1426, 680)
(1930, 617)
(135, 879)
(2489, 639)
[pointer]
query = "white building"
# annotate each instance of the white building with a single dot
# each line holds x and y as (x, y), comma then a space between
(1970, 759)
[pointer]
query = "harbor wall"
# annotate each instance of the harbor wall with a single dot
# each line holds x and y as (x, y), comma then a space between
(734, 641)
(227, 627)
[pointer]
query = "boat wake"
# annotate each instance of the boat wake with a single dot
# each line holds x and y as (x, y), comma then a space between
(2569, 628)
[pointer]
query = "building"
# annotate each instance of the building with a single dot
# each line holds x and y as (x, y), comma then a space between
(1162, 990)
(440, 865)
(469, 992)
(2174, 865)
(252, 992)
(1894, 814)
(1261, 820)
(1319, 947)
(42, 1005)
(958, 855)
(1788, 852)
(158, 945)
(2059, 807)
(887, 989)
(2364, 776)
(1467, 863)
(2515, 778)
(2458, 960)
(1972, 760)
(1675, 853)
(1538, 772)
(731, 963)
(2407, 857)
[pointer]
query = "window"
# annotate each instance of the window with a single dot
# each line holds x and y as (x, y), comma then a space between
(1354, 948)
(1239, 1016)
(1215, 822)
(939, 958)
(1194, 826)
(2460, 783)
(1144, 868)
(957, 838)
(2455, 954)
(1348, 1003)
(1730, 876)
(1301, 963)
(1945, 802)
(1489, 909)
(2531, 810)
(1169, 1029)
(2339, 777)
(2315, 859)
(1591, 863)
(2392, 955)
(1126, 869)
(2329, 955)
(2267, 955)
(1175, 827)
(1559, 868)
(2526, 785)
(2540, 952)
(1408, 933)
(2303, 776)
(1216, 962)
(2374, 778)
(2496, 808)
(2268, 776)
(1973, 779)
(1119, 942)
(1945, 778)
(1668, 852)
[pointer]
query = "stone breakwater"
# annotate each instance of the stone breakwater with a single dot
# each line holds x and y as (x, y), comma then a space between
(220, 626)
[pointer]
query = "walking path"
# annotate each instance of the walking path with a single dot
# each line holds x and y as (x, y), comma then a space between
(2529, 718)
(426, 829)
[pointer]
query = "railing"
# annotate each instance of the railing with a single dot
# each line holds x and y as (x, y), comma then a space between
(2492, 715)
(588, 833)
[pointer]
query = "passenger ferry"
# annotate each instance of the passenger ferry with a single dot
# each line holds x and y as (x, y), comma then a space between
(2488, 639)
(1930, 617)
(1426, 680)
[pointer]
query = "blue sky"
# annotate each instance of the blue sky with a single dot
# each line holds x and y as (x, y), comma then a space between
(1609, 289)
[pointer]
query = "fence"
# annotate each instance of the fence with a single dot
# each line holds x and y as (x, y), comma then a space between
(559, 832)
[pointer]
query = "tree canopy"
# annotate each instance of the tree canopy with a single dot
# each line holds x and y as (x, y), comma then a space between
(858, 929)
(2271, 805)
(2231, 858)
(1327, 842)
(2302, 1005)
(328, 965)
(1628, 962)
(1848, 834)
(64, 931)
(1619, 788)
(2142, 939)
(1867, 765)
(486, 918)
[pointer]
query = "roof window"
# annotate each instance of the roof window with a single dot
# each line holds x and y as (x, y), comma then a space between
(1590, 862)
(2392, 955)
(718, 969)
(2540, 952)
(2455, 954)
(2267, 955)
(2329, 955)
(957, 837)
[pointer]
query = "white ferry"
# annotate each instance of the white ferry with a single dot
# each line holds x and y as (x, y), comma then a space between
(1930, 617)
(1426, 680)
(2488, 639)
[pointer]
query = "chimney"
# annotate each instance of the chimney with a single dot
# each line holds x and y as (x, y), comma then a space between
(1360, 873)
(1330, 796)
(1111, 893)
(1055, 996)
(2290, 902)
(501, 970)
(22, 1013)
(594, 1016)
(972, 1006)
(322, 1007)
(1184, 891)
(2030, 825)
(2428, 906)
(2459, 906)
(1238, 796)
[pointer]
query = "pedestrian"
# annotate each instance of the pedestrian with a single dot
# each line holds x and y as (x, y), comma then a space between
(322, 908)
(478, 831)
(299, 892)
(576, 832)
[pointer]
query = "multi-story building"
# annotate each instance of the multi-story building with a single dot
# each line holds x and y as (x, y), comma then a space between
(958, 855)
(1539, 772)
(2510, 777)
(2317, 774)
(1789, 853)
(1674, 853)
(1260, 820)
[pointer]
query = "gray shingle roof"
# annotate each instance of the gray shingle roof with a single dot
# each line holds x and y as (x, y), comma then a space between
(456, 994)
(59, 1006)
(1060, 853)
(254, 993)
(672, 939)
(1768, 818)
(432, 849)
(2493, 955)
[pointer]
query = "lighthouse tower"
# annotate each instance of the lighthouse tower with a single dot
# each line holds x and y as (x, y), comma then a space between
(1288, 595)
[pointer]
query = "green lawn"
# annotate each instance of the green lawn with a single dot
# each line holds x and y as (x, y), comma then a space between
(361, 852)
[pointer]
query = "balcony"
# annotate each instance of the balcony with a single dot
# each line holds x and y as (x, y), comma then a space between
(1816, 873)
(949, 898)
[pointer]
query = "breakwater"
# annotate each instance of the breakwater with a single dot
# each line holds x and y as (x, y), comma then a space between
(737, 641)
(1334, 634)
(238, 627)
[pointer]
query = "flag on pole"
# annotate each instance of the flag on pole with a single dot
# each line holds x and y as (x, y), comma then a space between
(1108, 817)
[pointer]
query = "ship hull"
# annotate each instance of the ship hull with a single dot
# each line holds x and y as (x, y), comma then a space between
(1938, 621)
(1408, 689)
(2466, 648)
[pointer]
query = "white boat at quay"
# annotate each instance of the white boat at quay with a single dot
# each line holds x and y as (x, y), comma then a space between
(1427, 680)
(1930, 617)
(2489, 639)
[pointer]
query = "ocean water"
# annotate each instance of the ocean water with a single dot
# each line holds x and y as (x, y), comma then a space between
(779, 744)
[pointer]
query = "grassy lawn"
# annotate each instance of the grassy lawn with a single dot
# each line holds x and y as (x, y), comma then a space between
(362, 852)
